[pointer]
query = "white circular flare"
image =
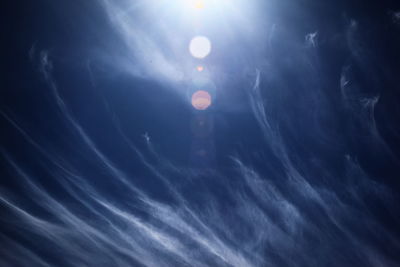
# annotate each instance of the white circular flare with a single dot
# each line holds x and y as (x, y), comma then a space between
(200, 47)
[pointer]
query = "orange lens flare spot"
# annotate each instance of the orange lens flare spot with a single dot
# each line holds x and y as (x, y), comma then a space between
(200, 68)
(201, 100)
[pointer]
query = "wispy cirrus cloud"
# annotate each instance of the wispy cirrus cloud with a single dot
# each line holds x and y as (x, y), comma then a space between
(287, 207)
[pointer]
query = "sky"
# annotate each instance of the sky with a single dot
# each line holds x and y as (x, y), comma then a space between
(200, 133)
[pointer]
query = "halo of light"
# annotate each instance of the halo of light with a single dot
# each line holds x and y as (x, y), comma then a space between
(200, 47)
(201, 100)
(201, 82)
(202, 125)
(199, 68)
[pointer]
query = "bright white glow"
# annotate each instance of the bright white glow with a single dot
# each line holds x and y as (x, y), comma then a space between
(155, 33)
(200, 47)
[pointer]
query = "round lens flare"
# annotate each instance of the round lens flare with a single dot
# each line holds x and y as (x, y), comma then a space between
(201, 100)
(200, 68)
(200, 47)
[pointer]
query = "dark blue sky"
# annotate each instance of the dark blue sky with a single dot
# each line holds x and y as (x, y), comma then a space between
(105, 162)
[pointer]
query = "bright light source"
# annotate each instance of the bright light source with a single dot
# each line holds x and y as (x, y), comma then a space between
(201, 100)
(200, 47)
(199, 4)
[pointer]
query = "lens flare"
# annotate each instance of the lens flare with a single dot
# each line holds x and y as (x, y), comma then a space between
(201, 100)
(200, 47)
(202, 125)
(200, 68)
